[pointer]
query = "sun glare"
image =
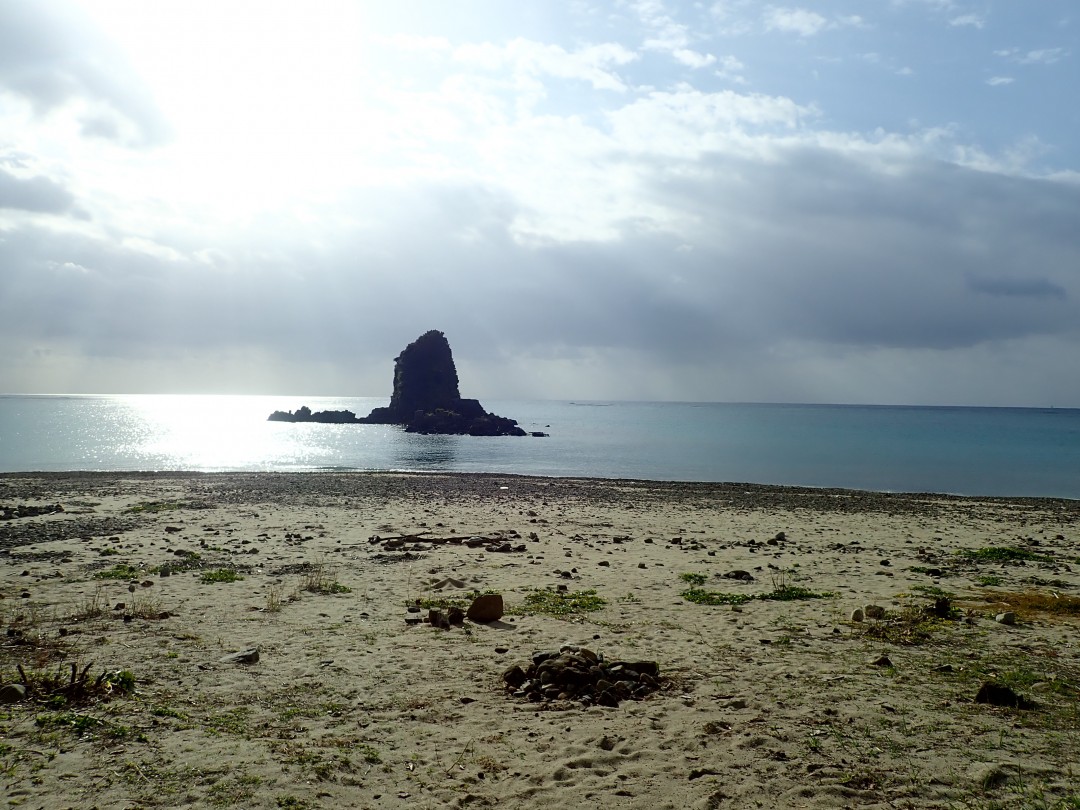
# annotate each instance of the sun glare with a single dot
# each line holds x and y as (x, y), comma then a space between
(268, 101)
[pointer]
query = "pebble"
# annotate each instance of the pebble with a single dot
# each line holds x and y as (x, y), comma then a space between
(248, 656)
(857, 615)
(1008, 617)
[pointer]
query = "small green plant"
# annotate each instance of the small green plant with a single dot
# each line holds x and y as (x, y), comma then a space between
(696, 580)
(989, 580)
(700, 596)
(220, 575)
(319, 578)
(370, 755)
(561, 604)
(1002, 554)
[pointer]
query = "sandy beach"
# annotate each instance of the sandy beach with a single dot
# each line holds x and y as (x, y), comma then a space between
(812, 648)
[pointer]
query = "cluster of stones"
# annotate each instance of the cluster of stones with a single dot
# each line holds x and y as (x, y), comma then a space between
(485, 608)
(578, 673)
(14, 512)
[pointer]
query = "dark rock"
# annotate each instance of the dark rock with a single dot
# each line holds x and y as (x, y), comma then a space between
(514, 677)
(304, 414)
(12, 693)
(995, 694)
(745, 576)
(485, 608)
(426, 398)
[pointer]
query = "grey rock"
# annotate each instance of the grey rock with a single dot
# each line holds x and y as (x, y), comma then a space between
(12, 693)
(248, 656)
(874, 612)
(1008, 617)
(857, 615)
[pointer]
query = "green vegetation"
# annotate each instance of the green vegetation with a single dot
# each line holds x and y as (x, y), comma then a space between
(989, 580)
(220, 575)
(783, 591)
(1002, 554)
(696, 580)
(561, 604)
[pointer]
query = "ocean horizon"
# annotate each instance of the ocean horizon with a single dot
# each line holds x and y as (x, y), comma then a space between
(959, 450)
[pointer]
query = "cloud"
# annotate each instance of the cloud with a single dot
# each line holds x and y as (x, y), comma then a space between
(54, 58)
(38, 194)
(1041, 56)
(593, 64)
(968, 20)
(1018, 287)
(999, 81)
(794, 21)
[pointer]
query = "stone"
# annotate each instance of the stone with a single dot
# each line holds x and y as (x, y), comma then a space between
(248, 656)
(485, 608)
(857, 615)
(882, 661)
(426, 398)
(996, 694)
(514, 677)
(12, 693)
(1008, 617)
(739, 574)
(874, 612)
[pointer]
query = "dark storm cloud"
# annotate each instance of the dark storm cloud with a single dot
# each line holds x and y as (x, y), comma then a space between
(1018, 287)
(34, 194)
(51, 54)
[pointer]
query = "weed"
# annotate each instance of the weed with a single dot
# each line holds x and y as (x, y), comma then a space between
(988, 580)
(561, 604)
(319, 578)
(273, 599)
(783, 591)
(69, 684)
(696, 580)
(233, 721)
(370, 755)
(220, 575)
(292, 803)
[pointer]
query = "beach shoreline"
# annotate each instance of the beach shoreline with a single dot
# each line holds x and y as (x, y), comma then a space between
(783, 702)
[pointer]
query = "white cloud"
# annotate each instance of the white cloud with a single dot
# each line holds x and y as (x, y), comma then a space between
(1041, 56)
(998, 81)
(693, 59)
(968, 20)
(731, 69)
(594, 64)
(794, 21)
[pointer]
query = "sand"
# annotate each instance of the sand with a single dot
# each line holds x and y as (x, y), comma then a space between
(769, 703)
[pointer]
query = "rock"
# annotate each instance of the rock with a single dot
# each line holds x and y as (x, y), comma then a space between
(248, 656)
(745, 576)
(485, 608)
(304, 414)
(882, 661)
(436, 618)
(1008, 617)
(426, 398)
(874, 612)
(857, 615)
(996, 694)
(12, 693)
(514, 677)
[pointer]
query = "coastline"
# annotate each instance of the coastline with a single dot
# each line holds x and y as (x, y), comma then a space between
(772, 701)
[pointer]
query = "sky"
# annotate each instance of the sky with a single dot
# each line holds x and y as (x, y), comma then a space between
(852, 201)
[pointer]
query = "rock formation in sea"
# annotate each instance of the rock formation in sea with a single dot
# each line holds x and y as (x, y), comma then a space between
(426, 398)
(304, 414)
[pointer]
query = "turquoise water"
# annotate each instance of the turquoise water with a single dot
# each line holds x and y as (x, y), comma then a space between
(971, 451)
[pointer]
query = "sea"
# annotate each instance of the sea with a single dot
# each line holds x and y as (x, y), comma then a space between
(956, 450)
